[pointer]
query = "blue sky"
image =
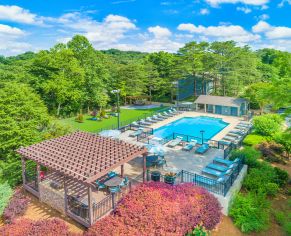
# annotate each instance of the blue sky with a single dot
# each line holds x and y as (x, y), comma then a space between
(144, 25)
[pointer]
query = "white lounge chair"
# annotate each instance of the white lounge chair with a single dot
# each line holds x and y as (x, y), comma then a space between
(155, 117)
(175, 141)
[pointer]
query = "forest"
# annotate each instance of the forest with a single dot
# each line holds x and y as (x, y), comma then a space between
(72, 78)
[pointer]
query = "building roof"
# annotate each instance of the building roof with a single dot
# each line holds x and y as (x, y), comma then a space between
(220, 100)
(82, 156)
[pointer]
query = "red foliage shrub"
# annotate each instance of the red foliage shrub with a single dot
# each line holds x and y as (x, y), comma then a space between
(16, 207)
(161, 209)
(25, 227)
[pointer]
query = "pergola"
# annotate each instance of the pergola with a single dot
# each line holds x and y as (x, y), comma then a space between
(82, 157)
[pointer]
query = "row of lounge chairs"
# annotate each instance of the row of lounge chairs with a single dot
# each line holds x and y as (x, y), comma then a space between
(220, 169)
(237, 134)
(141, 124)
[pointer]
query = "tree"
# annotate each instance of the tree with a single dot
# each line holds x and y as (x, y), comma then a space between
(23, 119)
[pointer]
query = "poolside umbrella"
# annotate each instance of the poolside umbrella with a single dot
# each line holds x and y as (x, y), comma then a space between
(156, 149)
(110, 133)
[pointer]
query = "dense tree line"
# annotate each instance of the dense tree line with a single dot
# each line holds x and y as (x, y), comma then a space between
(74, 76)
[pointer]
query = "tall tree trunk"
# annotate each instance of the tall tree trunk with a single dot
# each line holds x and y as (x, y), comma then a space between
(59, 109)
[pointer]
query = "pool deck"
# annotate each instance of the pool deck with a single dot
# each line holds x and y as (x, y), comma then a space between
(190, 161)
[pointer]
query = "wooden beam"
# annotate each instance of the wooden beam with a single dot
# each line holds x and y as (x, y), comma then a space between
(37, 176)
(122, 170)
(144, 167)
(66, 194)
(23, 163)
(90, 205)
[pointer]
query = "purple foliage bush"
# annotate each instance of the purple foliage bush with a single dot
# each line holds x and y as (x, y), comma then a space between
(16, 207)
(160, 209)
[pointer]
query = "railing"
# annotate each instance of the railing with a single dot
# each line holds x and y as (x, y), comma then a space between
(145, 134)
(109, 203)
(212, 185)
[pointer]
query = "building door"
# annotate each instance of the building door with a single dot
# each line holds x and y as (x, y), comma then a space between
(218, 110)
(233, 111)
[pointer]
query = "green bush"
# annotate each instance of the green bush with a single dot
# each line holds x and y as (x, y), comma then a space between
(271, 189)
(254, 139)
(282, 177)
(257, 179)
(250, 212)
(284, 220)
(5, 194)
(80, 118)
(248, 155)
(268, 124)
(280, 217)
(199, 231)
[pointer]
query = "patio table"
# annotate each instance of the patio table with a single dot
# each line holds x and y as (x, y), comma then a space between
(115, 181)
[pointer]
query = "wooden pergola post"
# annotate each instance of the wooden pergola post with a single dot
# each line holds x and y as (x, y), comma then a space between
(37, 176)
(144, 166)
(122, 170)
(66, 194)
(23, 163)
(90, 205)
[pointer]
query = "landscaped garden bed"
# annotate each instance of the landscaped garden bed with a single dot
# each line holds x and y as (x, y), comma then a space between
(161, 209)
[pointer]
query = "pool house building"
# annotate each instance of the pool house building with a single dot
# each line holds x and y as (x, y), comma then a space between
(228, 106)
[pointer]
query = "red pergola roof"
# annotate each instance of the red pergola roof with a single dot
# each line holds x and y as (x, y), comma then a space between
(82, 156)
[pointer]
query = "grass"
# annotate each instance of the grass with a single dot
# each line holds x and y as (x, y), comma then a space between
(126, 116)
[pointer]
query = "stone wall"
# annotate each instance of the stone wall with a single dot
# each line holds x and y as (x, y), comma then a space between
(228, 199)
(52, 197)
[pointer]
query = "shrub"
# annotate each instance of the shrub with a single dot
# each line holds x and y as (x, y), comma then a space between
(102, 113)
(5, 195)
(268, 124)
(80, 118)
(199, 231)
(161, 209)
(282, 177)
(250, 212)
(254, 139)
(285, 140)
(271, 189)
(284, 220)
(271, 151)
(25, 227)
(248, 155)
(16, 207)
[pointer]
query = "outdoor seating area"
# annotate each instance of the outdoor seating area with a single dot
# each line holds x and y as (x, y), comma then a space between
(236, 135)
(81, 180)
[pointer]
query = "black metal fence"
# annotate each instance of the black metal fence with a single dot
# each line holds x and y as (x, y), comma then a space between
(212, 185)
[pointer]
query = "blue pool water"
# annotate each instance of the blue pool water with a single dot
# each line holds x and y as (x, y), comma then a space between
(192, 126)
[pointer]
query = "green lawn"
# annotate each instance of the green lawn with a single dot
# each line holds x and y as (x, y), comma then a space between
(126, 117)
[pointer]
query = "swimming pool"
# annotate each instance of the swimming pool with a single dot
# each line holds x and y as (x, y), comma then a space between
(192, 126)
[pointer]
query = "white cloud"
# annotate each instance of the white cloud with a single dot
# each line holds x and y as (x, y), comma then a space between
(18, 14)
(283, 2)
(246, 10)
(221, 32)
(215, 3)
(204, 11)
(10, 40)
(272, 32)
(160, 32)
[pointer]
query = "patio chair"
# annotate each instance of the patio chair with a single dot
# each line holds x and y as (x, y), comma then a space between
(114, 189)
(215, 173)
(245, 129)
(202, 149)
(237, 131)
(111, 174)
(175, 110)
(161, 162)
(218, 167)
(149, 119)
(234, 135)
(245, 124)
(136, 133)
(124, 182)
(172, 112)
(100, 185)
(168, 114)
(225, 162)
(155, 117)
(190, 146)
(175, 142)
(230, 138)
(160, 115)
(143, 122)
(224, 142)
(207, 181)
